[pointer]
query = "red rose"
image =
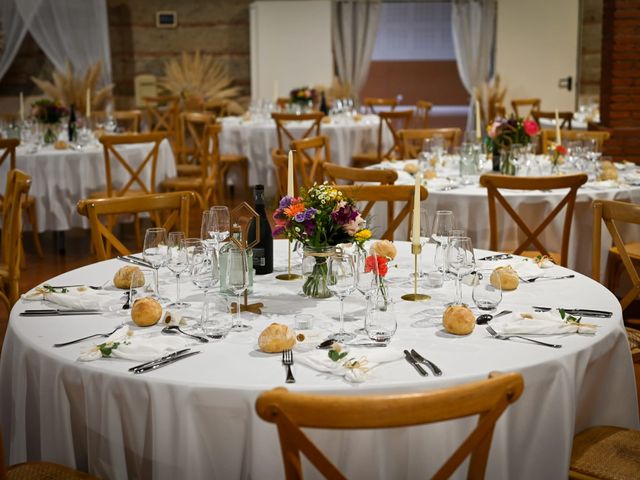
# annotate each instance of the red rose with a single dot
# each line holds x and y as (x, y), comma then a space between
(561, 150)
(380, 268)
(530, 127)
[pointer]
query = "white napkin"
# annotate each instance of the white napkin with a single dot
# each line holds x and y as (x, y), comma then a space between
(538, 323)
(603, 184)
(370, 358)
(139, 347)
(77, 298)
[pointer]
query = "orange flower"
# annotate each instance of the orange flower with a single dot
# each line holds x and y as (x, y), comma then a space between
(292, 210)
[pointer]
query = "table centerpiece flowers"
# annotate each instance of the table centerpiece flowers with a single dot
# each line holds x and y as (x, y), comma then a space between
(504, 133)
(305, 97)
(320, 219)
(381, 253)
(49, 113)
(558, 153)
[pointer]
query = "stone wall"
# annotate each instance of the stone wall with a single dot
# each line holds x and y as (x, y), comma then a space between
(590, 52)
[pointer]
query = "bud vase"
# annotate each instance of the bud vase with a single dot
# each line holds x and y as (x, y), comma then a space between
(315, 271)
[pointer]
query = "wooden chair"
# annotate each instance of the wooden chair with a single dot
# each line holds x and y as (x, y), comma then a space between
(373, 105)
(411, 140)
(394, 121)
(422, 113)
(494, 182)
(285, 136)
(280, 163)
(310, 156)
(337, 173)
(530, 104)
(291, 412)
(163, 116)
(128, 120)
(282, 102)
(389, 194)
(173, 205)
(217, 107)
(228, 162)
(8, 150)
(549, 137)
(16, 192)
(565, 118)
(191, 144)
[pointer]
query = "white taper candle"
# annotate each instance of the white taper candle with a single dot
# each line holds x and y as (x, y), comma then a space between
(478, 130)
(415, 233)
(290, 188)
(21, 107)
(558, 137)
(88, 106)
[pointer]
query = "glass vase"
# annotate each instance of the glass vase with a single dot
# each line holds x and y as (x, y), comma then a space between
(50, 135)
(315, 271)
(507, 166)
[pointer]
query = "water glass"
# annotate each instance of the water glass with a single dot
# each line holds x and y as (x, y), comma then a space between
(155, 252)
(486, 296)
(461, 261)
(442, 226)
(380, 322)
(216, 319)
(177, 262)
(341, 281)
(237, 281)
(203, 265)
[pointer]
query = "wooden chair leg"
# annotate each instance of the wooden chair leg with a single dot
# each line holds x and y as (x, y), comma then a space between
(611, 271)
(136, 223)
(33, 219)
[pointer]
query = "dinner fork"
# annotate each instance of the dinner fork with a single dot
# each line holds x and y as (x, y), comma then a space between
(495, 334)
(77, 340)
(531, 280)
(287, 361)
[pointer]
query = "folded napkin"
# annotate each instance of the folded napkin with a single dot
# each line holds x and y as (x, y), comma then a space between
(367, 360)
(131, 345)
(75, 298)
(603, 184)
(539, 323)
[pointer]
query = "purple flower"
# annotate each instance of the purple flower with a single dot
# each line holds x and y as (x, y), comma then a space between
(277, 231)
(308, 214)
(310, 227)
(285, 202)
(344, 214)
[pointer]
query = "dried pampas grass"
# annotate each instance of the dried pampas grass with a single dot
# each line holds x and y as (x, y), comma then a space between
(491, 97)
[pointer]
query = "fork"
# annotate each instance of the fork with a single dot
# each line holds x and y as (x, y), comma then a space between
(92, 287)
(77, 340)
(531, 280)
(495, 334)
(287, 361)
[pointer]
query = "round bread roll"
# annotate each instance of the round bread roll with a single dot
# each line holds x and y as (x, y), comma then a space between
(122, 278)
(608, 173)
(411, 168)
(459, 320)
(146, 312)
(60, 145)
(276, 338)
(504, 278)
(430, 174)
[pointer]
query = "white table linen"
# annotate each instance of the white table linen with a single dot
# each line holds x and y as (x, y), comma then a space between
(196, 419)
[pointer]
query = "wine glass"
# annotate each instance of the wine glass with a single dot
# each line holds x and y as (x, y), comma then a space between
(380, 321)
(442, 225)
(219, 225)
(203, 266)
(341, 282)
(237, 278)
(177, 262)
(461, 261)
(366, 277)
(155, 252)
(204, 230)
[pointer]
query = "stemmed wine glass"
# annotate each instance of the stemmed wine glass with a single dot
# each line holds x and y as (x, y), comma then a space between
(155, 252)
(366, 277)
(341, 282)
(442, 225)
(219, 225)
(237, 278)
(203, 268)
(177, 262)
(461, 261)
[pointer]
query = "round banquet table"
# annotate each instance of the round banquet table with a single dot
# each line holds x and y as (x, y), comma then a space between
(196, 418)
(470, 208)
(60, 178)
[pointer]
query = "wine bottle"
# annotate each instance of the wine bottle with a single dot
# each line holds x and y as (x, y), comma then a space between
(323, 105)
(263, 251)
(72, 128)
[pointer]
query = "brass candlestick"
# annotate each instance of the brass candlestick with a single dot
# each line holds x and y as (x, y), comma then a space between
(288, 276)
(415, 296)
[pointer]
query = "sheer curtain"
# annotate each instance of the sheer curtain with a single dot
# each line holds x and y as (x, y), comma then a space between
(354, 28)
(473, 26)
(76, 30)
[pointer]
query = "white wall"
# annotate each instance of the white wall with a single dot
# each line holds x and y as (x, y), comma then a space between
(536, 45)
(290, 46)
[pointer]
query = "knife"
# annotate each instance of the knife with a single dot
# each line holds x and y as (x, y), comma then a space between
(413, 362)
(135, 261)
(51, 311)
(500, 256)
(161, 359)
(434, 368)
(164, 362)
(585, 312)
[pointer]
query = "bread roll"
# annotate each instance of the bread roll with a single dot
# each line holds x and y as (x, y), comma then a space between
(459, 320)
(430, 174)
(61, 145)
(146, 312)
(411, 168)
(122, 278)
(608, 173)
(276, 338)
(504, 278)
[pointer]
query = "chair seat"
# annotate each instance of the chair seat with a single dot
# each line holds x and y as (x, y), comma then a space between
(608, 453)
(233, 158)
(633, 249)
(44, 471)
(188, 170)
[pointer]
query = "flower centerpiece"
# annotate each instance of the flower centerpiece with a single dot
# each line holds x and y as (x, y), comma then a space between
(304, 96)
(49, 113)
(558, 153)
(380, 254)
(502, 134)
(320, 218)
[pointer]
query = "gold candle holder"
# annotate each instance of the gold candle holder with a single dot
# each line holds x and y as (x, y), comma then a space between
(288, 276)
(415, 296)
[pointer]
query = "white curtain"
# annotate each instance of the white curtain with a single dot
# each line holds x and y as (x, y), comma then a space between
(354, 28)
(76, 30)
(473, 26)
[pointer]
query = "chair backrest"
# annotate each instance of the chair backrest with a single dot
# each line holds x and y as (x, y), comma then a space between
(128, 120)
(521, 105)
(292, 411)
(280, 163)
(394, 121)
(8, 150)
(565, 118)
(285, 136)
(111, 152)
(494, 182)
(613, 214)
(337, 173)
(373, 104)
(193, 128)
(411, 140)
(549, 137)
(16, 191)
(167, 210)
(162, 113)
(310, 156)
(217, 106)
(389, 194)
(422, 113)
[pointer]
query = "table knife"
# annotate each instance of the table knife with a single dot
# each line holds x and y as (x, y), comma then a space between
(51, 311)
(585, 312)
(414, 362)
(165, 362)
(500, 256)
(135, 261)
(432, 366)
(161, 359)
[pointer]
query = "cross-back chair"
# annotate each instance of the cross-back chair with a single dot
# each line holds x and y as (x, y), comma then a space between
(549, 136)
(8, 152)
(127, 120)
(228, 163)
(286, 136)
(16, 192)
(281, 163)
(217, 106)
(371, 194)
(494, 183)
(310, 156)
(291, 412)
(423, 108)
(338, 174)
(162, 113)
(169, 210)
(565, 118)
(411, 140)
(376, 105)
(519, 105)
(191, 146)
(394, 122)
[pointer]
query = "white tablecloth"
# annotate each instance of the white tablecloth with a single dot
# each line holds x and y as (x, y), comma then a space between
(196, 419)
(63, 177)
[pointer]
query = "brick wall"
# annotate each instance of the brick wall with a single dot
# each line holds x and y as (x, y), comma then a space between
(590, 49)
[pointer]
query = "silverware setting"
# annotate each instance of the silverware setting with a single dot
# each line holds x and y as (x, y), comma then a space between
(135, 261)
(92, 287)
(166, 362)
(159, 360)
(78, 340)
(413, 362)
(432, 366)
(486, 317)
(495, 334)
(542, 277)
(326, 344)
(585, 312)
(499, 256)
(175, 329)
(287, 361)
(57, 311)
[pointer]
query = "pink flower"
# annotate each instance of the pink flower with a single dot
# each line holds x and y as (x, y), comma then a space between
(530, 127)
(354, 225)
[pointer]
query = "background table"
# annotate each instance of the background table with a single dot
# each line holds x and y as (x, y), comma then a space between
(196, 418)
(63, 177)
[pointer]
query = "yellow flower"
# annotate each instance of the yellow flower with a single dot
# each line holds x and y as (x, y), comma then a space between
(363, 235)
